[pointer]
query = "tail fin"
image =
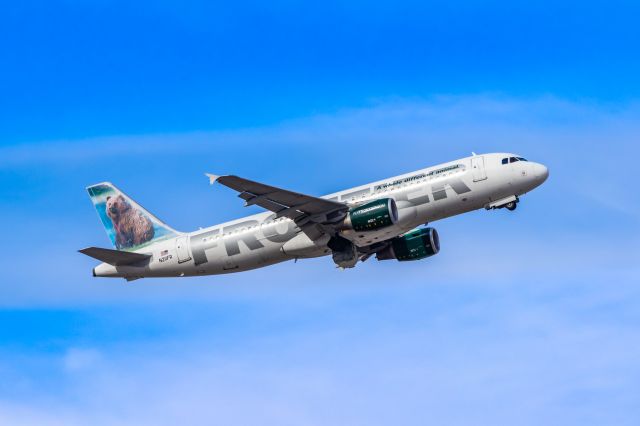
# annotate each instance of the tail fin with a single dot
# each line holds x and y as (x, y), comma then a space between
(128, 225)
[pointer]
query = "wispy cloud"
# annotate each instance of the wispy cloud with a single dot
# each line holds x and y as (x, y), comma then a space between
(531, 362)
(414, 120)
(348, 147)
(81, 359)
(532, 314)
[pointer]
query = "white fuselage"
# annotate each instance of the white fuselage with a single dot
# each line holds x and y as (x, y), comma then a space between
(423, 196)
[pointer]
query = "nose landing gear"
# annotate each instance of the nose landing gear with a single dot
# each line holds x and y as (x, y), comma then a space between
(509, 203)
(511, 206)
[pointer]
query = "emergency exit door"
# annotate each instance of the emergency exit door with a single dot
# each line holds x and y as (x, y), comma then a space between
(477, 166)
(182, 249)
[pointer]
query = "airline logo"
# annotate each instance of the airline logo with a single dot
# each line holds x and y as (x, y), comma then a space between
(128, 225)
(207, 240)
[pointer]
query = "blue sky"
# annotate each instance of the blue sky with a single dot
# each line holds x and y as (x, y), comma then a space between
(527, 318)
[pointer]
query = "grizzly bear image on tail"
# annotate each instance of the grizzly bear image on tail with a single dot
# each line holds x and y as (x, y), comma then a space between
(131, 227)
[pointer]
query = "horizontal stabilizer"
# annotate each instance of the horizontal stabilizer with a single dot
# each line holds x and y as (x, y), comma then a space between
(115, 257)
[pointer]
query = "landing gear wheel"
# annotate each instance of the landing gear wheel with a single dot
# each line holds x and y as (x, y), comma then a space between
(511, 206)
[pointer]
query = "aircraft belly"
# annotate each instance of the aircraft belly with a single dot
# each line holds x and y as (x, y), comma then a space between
(247, 260)
(302, 246)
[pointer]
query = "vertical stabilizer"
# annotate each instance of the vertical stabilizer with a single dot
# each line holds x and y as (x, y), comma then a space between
(128, 225)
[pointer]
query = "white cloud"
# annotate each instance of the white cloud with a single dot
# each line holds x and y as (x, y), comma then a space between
(30, 415)
(482, 120)
(349, 147)
(529, 365)
(81, 359)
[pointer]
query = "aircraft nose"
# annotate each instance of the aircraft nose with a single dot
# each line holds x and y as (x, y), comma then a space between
(541, 172)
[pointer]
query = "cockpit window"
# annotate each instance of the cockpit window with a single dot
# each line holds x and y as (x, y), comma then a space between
(513, 160)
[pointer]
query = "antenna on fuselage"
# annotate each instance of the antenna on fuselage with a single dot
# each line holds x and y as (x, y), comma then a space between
(473, 153)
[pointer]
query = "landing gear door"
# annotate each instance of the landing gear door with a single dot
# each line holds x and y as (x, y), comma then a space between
(477, 167)
(182, 249)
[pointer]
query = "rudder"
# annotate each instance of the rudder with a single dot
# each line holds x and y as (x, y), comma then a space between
(128, 225)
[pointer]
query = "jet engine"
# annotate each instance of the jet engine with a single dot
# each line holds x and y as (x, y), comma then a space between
(372, 216)
(415, 245)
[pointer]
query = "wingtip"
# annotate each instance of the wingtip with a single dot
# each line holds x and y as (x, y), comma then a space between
(212, 178)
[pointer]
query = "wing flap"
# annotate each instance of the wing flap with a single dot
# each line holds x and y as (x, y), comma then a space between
(115, 257)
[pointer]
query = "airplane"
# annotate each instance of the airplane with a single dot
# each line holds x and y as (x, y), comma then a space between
(387, 219)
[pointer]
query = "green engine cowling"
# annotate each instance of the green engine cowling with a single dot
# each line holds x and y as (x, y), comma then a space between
(372, 216)
(415, 245)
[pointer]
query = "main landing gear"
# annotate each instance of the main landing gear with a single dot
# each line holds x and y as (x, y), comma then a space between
(345, 253)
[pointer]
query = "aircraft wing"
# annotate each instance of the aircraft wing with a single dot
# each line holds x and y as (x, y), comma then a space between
(306, 211)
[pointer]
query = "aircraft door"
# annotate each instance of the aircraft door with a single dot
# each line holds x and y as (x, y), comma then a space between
(182, 249)
(477, 166)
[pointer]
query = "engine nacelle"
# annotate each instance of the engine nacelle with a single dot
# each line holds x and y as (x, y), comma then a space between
(415, 245)
(372, 216)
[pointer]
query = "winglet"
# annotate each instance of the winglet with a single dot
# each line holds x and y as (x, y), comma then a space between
(212, 178)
